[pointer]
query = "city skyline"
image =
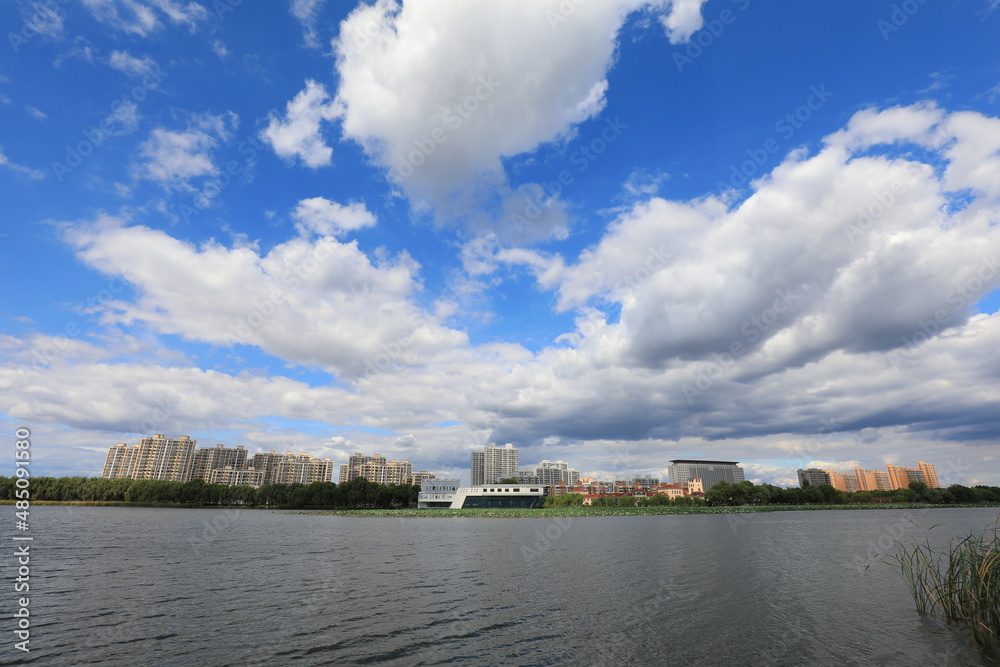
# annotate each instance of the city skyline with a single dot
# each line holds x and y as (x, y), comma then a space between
(612, 233)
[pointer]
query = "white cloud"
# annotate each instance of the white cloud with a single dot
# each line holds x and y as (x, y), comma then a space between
(869, 274)
(307, 12)
(123, 61)
(45, 18)
(438, 97)
(683, 20)
(173, 157)
(27, 171)
(35, 113)
(304, 301)
(220, 49)
(143, 17)
(328, 218)
(299, 133)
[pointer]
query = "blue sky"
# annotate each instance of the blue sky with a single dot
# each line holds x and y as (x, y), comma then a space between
(611, 233)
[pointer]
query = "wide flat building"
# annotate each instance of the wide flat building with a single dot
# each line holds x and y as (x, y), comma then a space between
(499, 495)
(494, 463)
(710, 472)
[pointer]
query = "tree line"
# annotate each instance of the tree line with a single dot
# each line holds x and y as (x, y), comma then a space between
(748, 493)
(356, 494)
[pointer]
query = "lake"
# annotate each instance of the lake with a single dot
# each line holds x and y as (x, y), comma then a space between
(130, 586)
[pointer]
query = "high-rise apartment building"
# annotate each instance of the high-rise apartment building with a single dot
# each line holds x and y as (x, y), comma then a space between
(267, 464)
(894, 477)
(930, 475)
(814, 476)
(156, 457)
(208, 459)
(303, 469)
(377, 469)
(422, 477)
(493, 464)
(710, 472)
(555, 472)
(844, 481)
(901, 478)
(120, 461)
(236, 477)
(872, 480)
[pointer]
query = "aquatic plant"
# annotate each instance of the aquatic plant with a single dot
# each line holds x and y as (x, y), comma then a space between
(960, 584)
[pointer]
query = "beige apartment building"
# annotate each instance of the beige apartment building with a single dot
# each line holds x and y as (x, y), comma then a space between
(156, 457)
(159, 457)
(237, 477)
(893, 477)
(377, 469)
(213, 458)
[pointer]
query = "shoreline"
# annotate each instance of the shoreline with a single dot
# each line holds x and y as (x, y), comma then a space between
(539, 513)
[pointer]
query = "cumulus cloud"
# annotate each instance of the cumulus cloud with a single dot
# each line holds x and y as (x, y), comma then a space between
(438, 98)
(849, 279)
(300, 134)
(304, 301)
(174, 157)
(328, 218)
(844, 250)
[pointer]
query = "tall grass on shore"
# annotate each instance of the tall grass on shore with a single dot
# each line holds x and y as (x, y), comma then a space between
(960, 584)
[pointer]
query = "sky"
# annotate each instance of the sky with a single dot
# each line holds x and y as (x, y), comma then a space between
(612, 233)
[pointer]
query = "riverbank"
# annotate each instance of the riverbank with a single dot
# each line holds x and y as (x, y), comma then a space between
(621, 511)
(540, 513)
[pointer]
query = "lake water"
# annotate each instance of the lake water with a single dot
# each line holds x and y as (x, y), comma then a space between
(128, 586)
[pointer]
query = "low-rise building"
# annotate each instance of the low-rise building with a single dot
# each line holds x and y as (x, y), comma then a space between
(437, 493)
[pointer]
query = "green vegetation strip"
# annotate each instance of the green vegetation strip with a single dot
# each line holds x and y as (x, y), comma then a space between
(616, 511)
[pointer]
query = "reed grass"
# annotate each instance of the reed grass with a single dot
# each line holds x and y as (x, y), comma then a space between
(960, 583)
